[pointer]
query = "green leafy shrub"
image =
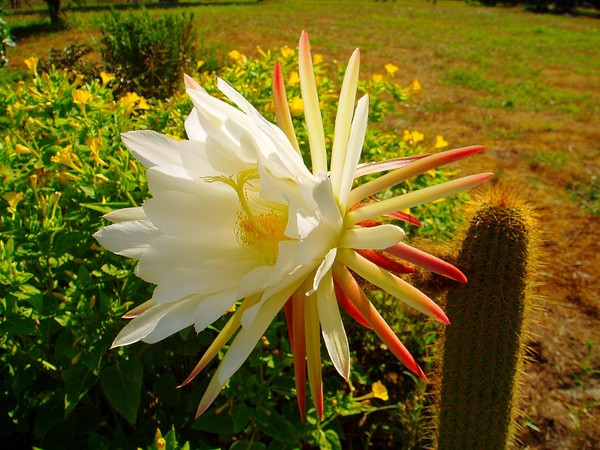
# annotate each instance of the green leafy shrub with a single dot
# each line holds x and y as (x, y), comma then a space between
(148, 55)
(61, 296)
(70, 58)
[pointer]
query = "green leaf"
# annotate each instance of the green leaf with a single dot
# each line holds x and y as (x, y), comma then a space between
(247, 445)
(275, 425)
(78, 381)
(240, 415)
(215, 423)
(328, 440)
(18, 325)
(122, 386)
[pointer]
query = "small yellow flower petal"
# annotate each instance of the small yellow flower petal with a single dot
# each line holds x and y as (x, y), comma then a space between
(82, 97)
(417, 136)
(317, 58)
(294, 78)
(129, 99)
(22, 150)
(297, 105)
(377, 78)
(286, 52)
(106, 78)
(13, 198)
(235, 55)
(199, 64)
(391, 68)
(440, 142)
(143, 104)
(31, 63)
(380, 391)
(415, 86)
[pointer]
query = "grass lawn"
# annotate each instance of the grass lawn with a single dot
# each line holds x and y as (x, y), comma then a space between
(525, 85)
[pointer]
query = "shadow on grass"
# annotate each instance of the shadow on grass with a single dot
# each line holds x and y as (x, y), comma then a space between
(44, 26)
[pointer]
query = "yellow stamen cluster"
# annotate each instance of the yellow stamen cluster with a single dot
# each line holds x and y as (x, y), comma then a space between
(258, 232)
(263, 241)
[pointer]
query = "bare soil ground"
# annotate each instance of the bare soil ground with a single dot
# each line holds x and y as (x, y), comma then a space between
(561, 396)
(562, 379)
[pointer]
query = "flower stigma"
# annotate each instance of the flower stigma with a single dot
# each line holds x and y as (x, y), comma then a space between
(260, 223)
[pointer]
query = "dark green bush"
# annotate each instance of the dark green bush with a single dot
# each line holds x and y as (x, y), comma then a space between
(148, 55)
(70, 58)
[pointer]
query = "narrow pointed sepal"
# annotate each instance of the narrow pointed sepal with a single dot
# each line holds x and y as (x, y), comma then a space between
(351, 288)
(415, 198)
(282, 109)
(384, 262)
(312, 110)
(427, 261)
(299, 350)
(139, 310)
(392, 285)
(313, 352)
(348, 306)
(417, 167)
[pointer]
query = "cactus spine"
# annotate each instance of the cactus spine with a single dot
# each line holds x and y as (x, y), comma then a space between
(484, 345)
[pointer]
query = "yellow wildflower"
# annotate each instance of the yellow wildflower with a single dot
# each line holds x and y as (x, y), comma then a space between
(101, 177)
(317, 59)
(377, 78)
(297, 105)
(235, 55)
(286, 52)
(95, 144)
(412, 136)
(13, 198)
(129, 99)
(106, 78)
(391, 68)
(31, 63)
(380, 391)
(294, 78)
(22, 150)
(66, 156)
(265, 341)
(143, 104)
(440, 142)
(82, 97)
(199, 64)
(415, 86)
(416, 136)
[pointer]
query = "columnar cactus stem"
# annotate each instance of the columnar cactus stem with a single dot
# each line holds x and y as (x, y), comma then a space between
(484, 346)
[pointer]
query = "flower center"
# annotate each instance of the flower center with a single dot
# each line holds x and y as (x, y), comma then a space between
(260, 223)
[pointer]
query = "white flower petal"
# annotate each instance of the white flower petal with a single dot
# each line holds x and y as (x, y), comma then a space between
(247, 338)
(323, 269)
(332, 327)
(196, 217)
(167, 252)
(355, 144)
(152, 148)
(204, 280)
(193, 128)
(175, 316)
(379, 237)
(131, 238)
(122, 215)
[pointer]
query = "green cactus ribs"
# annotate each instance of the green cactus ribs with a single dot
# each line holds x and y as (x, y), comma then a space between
(483, 348)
